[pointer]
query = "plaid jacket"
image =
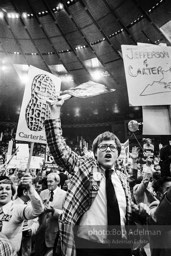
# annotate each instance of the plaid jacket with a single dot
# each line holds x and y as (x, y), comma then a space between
(83, 188)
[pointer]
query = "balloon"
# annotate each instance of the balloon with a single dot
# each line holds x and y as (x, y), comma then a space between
(133, 126)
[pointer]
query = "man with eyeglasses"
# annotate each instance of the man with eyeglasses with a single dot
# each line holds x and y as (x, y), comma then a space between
(83, 225)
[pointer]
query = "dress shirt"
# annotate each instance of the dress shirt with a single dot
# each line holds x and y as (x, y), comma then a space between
(93, 225)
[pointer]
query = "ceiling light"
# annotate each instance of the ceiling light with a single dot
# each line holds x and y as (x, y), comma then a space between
(66, 78)
(18, 110)
(12, 15)
(115, 109)
(1, 15)
(4, 68)
(93, 63)
(136, 108)
(60, 6)
(79, 47)
(96, 75)
(95, 112)
(77, 112)
(25, 67)
(24, 78)
(58, 68)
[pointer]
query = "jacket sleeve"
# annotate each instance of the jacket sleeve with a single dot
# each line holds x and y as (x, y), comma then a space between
(162, 212)
(62, 153)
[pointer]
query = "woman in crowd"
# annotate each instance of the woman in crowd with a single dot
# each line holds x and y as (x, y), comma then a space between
(12, 215)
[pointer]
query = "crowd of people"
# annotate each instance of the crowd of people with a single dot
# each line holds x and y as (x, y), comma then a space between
(93, 204)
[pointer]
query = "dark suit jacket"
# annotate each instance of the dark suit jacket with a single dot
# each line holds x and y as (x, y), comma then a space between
(51, 222)
(160, 228)
(63, 178)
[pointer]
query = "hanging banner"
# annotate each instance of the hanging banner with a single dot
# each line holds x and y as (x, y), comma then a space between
(41, 86)
(148, 74)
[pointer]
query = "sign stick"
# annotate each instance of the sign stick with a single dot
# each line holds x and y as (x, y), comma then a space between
(30, 155)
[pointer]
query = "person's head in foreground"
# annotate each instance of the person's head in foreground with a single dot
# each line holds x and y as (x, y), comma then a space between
(162, 185)
(7, 190)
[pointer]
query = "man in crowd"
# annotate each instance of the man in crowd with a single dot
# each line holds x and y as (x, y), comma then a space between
(30, 227)
(165, 159)
(160, 221)
(53, 198)
(97, 191)
(53, 195)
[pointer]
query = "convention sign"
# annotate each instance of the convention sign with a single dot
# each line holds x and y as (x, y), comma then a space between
(148, 74)
(153, 119)
(124, 155)
(41, 86)
(20, 162)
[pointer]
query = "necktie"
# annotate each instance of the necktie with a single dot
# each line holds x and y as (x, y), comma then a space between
(113, 214)
(1, 212)
(51, 196)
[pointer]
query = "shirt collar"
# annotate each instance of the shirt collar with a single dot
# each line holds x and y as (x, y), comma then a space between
(103, 169)
(54, 191)
(8, 205)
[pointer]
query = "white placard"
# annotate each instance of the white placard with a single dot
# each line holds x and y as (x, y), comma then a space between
(148, 74)
(124, 155)
(21, 162)
(22, 150)
(34, 110)
(156, 120)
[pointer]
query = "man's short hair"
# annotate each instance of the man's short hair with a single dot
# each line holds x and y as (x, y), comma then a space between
(55, 176)
(6, 180)
(105, 137)
(21, 188)
(158, 184)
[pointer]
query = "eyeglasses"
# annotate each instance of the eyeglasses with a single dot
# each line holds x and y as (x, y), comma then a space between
(104, 147)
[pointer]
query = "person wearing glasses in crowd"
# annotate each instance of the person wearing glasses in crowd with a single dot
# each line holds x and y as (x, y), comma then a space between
(85, 207)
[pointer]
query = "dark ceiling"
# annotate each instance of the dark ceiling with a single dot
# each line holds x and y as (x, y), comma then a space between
(83, 30)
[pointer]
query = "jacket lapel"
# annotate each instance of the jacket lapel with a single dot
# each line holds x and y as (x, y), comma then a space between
(94, 183)
(125, 185)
